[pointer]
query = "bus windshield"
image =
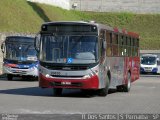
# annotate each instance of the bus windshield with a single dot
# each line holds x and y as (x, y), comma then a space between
(148, 60)
(69, 49)
(20, 51)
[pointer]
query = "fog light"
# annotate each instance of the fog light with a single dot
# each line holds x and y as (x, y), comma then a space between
(47, 75)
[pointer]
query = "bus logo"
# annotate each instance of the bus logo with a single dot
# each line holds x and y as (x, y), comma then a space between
(69, 60)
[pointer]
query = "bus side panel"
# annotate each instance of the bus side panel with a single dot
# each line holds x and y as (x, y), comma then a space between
(116, 65)
(131, 64)
(102, 74)
(158, 69)
(135, 68)
(127, 69)
(120, 67)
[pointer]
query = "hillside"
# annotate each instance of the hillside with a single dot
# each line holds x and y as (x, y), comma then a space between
(26, 17)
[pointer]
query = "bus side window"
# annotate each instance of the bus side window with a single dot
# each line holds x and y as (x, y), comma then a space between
(137, 42)
(114, 44)
(136, 47)
(128, 46)
(102, 42)
(125, 46)
(121, 46)
(108, 39)
(132, 46)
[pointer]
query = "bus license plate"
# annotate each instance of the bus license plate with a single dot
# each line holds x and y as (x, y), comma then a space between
(18, 71)
(148, 70)
(65, 83)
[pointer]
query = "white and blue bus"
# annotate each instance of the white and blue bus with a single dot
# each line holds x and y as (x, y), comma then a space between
(19, 57)
(149, 64)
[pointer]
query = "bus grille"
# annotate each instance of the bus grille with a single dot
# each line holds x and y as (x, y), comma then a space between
(59, 84)
(20, 68)
(66, 76)
(67, 68)
(148, 68)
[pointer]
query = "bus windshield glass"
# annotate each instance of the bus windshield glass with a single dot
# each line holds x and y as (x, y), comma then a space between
(148, 60)
(76, 49)
(20, 51)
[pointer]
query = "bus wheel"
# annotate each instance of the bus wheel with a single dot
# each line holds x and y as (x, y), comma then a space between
(57, 91)
(9, 77)
(127, 86)
(104, 91)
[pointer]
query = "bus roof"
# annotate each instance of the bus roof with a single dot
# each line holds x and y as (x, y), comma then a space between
(22, 39)
(101, 26)
(149, 55)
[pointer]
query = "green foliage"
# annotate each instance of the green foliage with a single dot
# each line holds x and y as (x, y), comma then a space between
(27, 17)
(18, 16)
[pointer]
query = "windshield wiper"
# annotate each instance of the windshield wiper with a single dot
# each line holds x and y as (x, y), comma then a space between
(77, 41)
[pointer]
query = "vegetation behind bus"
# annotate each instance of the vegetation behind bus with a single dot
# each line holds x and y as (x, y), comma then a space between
(23, 16)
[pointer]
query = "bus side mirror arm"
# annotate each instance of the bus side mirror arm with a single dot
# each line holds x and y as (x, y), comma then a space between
(37, 42)
(104, 44)
(2, 47)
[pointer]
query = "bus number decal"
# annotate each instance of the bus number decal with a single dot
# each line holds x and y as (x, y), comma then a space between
(55, 73)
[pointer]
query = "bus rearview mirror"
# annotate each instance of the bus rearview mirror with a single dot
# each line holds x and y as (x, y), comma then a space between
(104, 44)
(37, 42)
(2, 47)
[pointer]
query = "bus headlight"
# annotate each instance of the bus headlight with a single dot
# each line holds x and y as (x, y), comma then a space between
(87, 76)
(32, 68)
(47, 75)
(95, 72)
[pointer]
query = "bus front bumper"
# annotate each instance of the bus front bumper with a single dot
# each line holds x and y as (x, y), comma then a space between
(21, 72)
(151, 70)
(88, 83)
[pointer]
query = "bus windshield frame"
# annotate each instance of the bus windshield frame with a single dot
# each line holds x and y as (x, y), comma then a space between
(20, 50)
(148, 60)
(69, 49)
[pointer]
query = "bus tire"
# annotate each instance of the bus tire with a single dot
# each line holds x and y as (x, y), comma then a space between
(104, 91)
(57, 91)
(127, 86)
(9, 77)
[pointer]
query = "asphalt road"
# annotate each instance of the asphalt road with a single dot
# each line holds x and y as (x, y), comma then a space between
(25, 97)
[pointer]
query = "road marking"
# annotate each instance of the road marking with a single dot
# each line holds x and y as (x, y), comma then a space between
(29, 111)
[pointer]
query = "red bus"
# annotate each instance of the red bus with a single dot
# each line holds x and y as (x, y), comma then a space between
(87, 56)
